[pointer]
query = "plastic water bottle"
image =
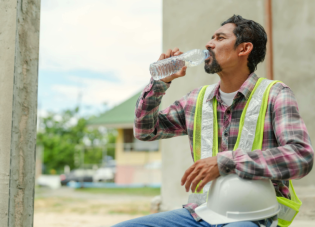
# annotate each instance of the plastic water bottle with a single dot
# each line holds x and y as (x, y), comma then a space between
(169, 66)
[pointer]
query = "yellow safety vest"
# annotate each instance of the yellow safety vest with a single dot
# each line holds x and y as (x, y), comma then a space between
(289, 208)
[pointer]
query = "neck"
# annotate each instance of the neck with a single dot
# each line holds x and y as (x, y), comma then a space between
(231, 82)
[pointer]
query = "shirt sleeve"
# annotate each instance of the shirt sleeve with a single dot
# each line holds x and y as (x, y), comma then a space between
(152, 124)
(292, 159)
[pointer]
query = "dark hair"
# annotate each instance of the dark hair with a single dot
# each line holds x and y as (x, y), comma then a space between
(250, 31)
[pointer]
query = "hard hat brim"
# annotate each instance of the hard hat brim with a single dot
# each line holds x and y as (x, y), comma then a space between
(214, 218)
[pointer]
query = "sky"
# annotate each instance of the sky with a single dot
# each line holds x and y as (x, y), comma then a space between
(96, 53)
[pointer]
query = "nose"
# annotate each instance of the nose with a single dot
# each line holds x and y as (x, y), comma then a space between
(210, 44)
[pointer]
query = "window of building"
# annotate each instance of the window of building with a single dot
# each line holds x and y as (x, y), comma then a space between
(133, 144)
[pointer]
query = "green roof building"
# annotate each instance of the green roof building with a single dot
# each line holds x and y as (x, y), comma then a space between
(120, 116)
(136, 161)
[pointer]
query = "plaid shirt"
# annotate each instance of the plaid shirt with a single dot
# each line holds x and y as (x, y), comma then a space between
(286, 150)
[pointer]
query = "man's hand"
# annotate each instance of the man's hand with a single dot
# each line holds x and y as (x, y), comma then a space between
(180, 73)
(205, 169)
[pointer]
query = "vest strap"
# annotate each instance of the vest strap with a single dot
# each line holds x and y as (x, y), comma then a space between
(250, 115)
(207, 125)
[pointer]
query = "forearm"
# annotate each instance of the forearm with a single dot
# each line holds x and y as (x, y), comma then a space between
(292, 161)
(150, 124)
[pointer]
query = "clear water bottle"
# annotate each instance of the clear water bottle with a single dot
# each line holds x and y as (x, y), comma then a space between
(169, 66)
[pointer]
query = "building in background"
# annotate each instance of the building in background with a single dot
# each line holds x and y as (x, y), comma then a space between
(190, 24)
(137, 162)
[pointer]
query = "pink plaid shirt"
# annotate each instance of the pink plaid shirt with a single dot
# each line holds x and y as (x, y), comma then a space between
(286, 150)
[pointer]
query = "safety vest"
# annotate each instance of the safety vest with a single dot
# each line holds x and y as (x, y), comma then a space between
(250, 137)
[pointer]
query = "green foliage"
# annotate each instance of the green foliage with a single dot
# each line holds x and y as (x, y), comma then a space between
(65, 138)
(145, 191)
(111, 138)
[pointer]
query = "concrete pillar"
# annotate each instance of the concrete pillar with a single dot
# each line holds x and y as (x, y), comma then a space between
(19, 44)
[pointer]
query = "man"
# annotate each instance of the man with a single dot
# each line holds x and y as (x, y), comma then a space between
(235, 48)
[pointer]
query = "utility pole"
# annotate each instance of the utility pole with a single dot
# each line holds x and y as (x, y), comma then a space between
(19, 48)
(268, 26)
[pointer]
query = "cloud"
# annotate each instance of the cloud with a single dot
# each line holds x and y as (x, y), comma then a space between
(96, 91)
(97, 49)
(122, 36)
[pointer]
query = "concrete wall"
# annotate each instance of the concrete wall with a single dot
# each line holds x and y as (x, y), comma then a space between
(190, 24)
(294, 59)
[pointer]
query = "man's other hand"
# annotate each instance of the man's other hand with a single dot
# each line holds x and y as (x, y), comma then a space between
(204, 170)
(180, 73)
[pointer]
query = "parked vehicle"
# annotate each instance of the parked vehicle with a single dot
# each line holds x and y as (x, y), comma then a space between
(104, 174)
(112, 164)
(50, 181)
(109, 162)
(77, 175)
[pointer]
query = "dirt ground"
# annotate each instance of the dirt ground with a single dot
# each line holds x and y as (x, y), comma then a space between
(306, 216)
(66, 207)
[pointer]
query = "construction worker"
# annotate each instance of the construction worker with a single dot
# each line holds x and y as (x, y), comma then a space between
(279, 149)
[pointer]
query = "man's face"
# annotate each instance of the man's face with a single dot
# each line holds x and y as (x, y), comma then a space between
(222, 51)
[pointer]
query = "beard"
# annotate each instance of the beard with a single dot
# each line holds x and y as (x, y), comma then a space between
(214, 67)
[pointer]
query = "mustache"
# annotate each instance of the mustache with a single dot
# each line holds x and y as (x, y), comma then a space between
(212, 54)
(214, 67)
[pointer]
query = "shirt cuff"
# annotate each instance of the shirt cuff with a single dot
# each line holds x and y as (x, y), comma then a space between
(226, 163)
(156, 86)
(159, 86)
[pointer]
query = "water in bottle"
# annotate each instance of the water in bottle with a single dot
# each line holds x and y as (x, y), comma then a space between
(169, 66)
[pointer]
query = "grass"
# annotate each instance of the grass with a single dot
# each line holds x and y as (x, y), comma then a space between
(145, 191)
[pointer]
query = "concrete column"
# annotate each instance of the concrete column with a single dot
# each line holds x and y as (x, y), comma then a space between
(19, 44)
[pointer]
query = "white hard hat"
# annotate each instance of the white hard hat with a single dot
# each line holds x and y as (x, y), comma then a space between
(233, 199)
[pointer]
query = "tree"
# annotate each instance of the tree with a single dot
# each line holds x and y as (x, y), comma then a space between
(64, 136)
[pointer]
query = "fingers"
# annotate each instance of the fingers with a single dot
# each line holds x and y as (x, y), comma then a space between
(162, 56)
(190, 179)
(170, 53)
(182, 72)
(203, 183)
(175, 49)
(187, 173)
(178, 53)
(202, 174)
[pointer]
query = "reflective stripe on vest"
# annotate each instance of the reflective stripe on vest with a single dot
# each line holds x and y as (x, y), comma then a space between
(250, 137)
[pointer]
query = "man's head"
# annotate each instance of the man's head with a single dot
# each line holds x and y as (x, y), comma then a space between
(238, 40)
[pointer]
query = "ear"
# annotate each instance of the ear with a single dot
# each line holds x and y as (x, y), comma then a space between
(245, 49)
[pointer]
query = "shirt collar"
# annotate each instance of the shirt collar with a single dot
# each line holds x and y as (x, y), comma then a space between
(246, 88)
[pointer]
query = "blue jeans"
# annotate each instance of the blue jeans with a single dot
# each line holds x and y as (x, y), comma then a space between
(182, 218)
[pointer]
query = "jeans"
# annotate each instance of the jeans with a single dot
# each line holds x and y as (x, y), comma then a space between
(182, 218)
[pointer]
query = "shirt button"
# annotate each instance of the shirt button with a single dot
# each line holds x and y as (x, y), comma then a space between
(228, 111)
(226, 134)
